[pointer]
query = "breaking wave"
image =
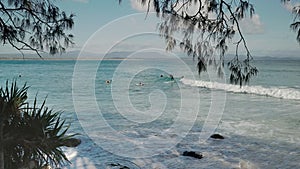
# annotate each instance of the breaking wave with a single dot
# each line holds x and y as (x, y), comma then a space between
(282, 93)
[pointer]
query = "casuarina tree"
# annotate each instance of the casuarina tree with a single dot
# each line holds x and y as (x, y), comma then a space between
(208, 29)
(35, 25)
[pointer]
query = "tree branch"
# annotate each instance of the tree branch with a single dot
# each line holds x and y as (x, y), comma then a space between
(35, 24)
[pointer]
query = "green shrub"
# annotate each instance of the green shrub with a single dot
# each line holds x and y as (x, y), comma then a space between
(30, 135)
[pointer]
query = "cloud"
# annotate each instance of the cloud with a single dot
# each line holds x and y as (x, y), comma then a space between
(191, 10)
(137, 5)
(249, 25)
(252, 25)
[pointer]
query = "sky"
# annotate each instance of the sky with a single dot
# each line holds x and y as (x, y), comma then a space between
(104, 25)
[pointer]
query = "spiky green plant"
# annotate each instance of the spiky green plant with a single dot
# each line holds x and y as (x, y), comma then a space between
(30, 133)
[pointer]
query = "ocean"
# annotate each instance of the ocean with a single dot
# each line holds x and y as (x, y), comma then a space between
(128, 115)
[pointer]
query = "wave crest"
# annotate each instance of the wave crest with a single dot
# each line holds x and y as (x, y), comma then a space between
(282, 93)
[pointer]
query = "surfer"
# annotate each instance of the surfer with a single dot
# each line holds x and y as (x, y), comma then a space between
(107, 81)
(140, 84)
(172, 77)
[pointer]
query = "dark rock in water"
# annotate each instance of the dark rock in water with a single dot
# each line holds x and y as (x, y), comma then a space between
(192, 154)
(118, 165)
(217, 136)
(72, 142)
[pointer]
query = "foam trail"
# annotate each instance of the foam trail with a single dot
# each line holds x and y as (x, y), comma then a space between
(282, 93)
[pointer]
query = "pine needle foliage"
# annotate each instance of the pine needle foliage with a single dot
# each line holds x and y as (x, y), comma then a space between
(209, 28)
(35, 25)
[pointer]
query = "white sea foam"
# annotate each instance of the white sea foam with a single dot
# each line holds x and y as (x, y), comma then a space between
(282, 93)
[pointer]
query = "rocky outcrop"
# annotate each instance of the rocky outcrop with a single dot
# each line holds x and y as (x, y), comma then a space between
(192, 154)
(217, 136)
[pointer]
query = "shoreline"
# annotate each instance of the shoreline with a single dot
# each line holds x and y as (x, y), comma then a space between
(81, 59)
(60, 59)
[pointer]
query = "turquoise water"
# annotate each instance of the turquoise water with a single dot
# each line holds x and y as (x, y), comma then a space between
(150, 125)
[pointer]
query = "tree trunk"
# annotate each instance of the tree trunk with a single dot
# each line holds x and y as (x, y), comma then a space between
(1, 146)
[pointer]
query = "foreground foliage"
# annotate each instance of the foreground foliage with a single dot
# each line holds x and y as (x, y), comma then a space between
(295, 26)
(30, 135)
(208, 28)
(37, 25)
